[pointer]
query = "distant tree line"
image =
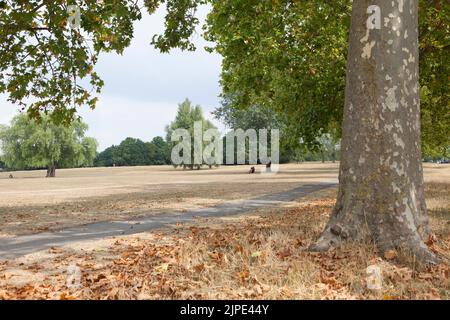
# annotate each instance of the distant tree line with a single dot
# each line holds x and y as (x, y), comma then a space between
(36, 144)
(135, 152)
(325, 147)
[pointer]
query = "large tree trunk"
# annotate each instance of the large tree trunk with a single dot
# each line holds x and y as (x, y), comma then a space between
(51, 171)
(381, 195)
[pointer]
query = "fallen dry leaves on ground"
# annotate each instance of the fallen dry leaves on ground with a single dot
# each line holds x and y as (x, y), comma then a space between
(262, 255)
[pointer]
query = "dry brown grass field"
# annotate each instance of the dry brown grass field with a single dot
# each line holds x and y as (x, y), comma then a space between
(257, 255)
(30, 203)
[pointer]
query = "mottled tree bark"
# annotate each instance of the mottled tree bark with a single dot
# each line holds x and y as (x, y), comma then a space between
(381, 195)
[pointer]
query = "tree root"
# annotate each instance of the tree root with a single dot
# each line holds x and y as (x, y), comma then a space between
(326, 242)
(422, 255)
(330, 239)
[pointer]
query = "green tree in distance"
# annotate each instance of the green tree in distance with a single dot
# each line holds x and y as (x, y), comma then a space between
(254, 117)
(43, 144)
(159, 151)
(106, 158)
(134, 152)
(186, 117)
(325, 147)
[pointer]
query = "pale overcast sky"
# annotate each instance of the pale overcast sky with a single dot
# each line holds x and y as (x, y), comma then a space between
(143, 87)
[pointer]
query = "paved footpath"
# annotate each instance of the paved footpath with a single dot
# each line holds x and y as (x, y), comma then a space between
(18, 246)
